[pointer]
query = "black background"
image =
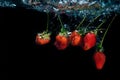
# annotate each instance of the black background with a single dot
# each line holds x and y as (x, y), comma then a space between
(19, 28)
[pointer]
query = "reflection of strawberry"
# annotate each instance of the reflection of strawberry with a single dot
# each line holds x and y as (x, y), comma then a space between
(43, 38)
(89, 41)
(61, 42)
(99, 59)
(75, 38)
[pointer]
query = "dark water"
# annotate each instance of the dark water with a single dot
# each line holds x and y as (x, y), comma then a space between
(21, 26)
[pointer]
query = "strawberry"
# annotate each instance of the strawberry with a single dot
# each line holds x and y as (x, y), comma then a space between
(89, 41)
(99, 59)
(43, 38)
(75, 38)
(61, 42)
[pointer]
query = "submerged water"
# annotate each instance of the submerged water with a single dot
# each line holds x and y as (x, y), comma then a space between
(33, 18)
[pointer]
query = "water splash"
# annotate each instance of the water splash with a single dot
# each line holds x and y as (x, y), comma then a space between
(70, 7)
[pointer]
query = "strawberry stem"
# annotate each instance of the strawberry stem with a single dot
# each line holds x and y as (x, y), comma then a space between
(101, 24)
(96, 30)
(107, 31)
(93, 20)
(62, 29)
(47, 22)
(81, 22)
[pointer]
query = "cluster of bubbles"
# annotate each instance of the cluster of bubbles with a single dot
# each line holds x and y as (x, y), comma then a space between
(7, 3)
(70, 7)
(76, 7)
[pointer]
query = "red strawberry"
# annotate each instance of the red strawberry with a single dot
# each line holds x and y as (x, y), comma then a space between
(75, 38)
(99, 59)
(89, 41)
(43, 38)
(61, 42)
